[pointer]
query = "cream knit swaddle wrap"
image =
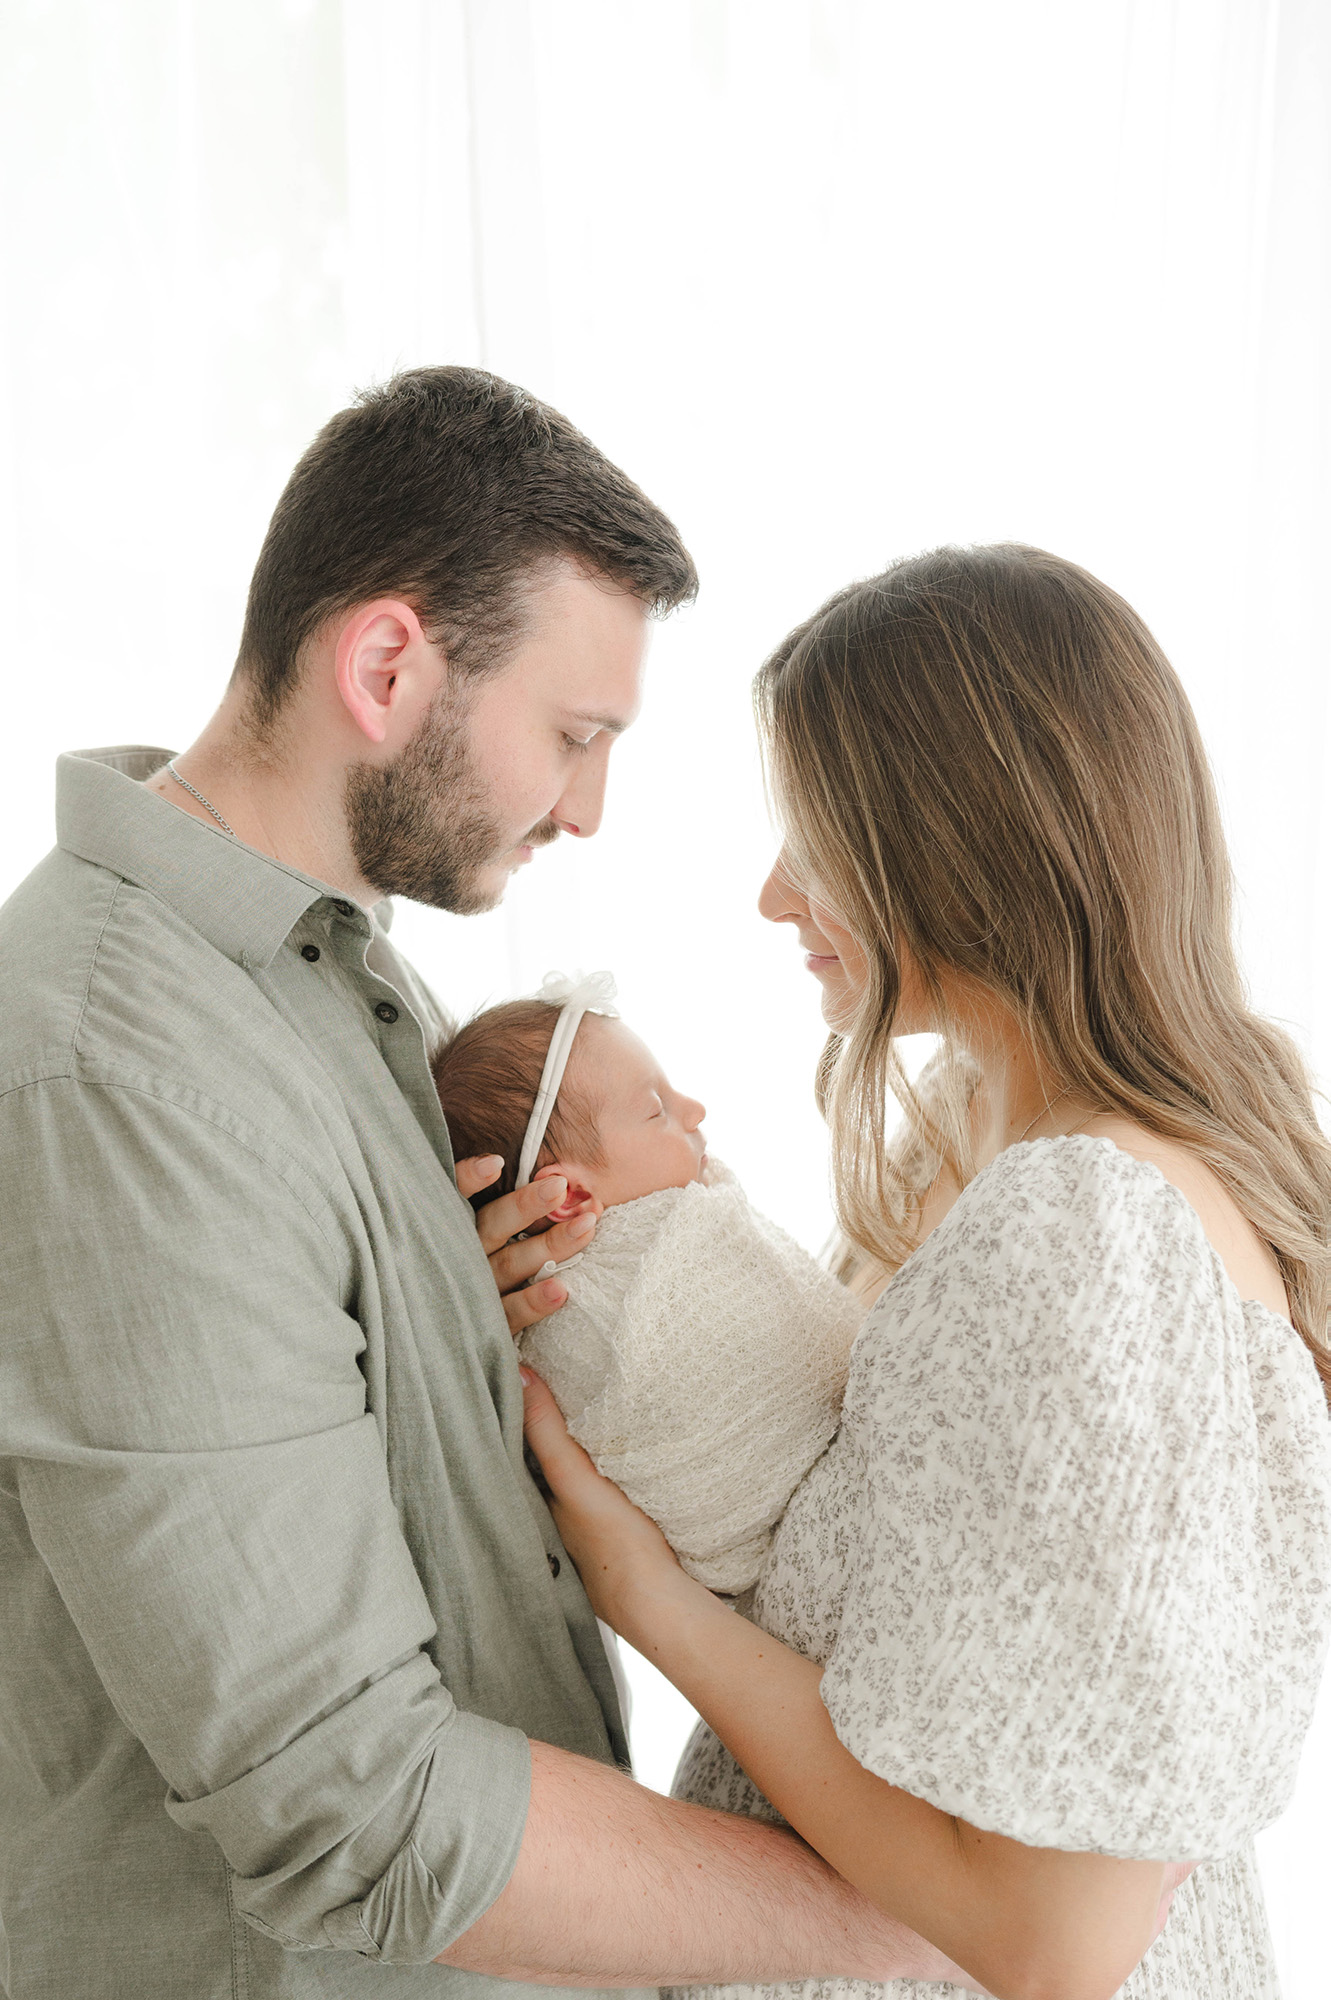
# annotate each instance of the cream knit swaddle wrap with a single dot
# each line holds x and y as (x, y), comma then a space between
(701, 1360)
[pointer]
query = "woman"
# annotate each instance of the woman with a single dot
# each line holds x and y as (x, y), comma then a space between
(1047, 1619)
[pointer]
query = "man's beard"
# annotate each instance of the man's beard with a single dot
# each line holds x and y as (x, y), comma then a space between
(419, 826)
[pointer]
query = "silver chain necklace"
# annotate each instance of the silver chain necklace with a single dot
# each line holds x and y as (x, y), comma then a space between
(208, 806)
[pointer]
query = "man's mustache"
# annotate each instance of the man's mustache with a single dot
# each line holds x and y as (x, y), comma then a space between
(542, 835)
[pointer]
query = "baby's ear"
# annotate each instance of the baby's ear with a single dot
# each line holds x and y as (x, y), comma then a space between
(579, 1200)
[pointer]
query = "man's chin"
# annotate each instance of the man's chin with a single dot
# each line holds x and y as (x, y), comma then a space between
(490, 882)
(481, 889)
(484, 892)
(481, 892)
(486, 888)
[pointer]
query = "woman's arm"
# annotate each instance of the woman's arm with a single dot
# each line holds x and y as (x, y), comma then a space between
(1030, 1923)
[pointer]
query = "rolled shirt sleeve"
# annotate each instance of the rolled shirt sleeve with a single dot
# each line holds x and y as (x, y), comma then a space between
(199, 1472)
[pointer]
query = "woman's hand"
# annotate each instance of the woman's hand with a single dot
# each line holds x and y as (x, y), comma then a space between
(514, 1263)
(627, 1566)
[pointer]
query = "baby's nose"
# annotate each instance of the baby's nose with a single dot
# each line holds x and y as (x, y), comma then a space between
(697, 1112)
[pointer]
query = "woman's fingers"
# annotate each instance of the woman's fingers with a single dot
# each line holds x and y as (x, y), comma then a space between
(618, 1551)
(598, 1516)
(562, 1460)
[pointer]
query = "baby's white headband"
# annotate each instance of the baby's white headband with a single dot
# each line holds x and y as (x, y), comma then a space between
(590, 993)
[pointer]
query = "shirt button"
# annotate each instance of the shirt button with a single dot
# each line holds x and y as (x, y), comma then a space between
(310, 951)
(554, 1564)
(386, 1012)
(345, 909)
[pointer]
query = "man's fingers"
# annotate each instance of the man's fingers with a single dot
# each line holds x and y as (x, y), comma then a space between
(473, 1175)
(510, 1214)
(532, 1302)
(566, 1239)
(517, 1262)
(515, 1258)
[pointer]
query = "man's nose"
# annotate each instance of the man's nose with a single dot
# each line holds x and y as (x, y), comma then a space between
(582, 804)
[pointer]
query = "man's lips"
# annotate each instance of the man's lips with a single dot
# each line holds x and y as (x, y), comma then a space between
(543, 835)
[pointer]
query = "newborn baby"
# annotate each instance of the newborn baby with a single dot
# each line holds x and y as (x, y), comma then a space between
(702, 1354)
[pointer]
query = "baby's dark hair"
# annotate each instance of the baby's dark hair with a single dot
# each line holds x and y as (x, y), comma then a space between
(487, 1076)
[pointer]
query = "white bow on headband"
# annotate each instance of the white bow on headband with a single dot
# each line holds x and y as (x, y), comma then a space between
(587, 993)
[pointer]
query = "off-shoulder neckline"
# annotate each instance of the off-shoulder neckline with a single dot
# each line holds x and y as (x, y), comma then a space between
(1143, 1166)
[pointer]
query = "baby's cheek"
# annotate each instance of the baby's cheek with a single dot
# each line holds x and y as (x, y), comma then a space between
(647, 1163)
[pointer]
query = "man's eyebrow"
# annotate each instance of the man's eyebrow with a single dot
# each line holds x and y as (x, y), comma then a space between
(613, 725)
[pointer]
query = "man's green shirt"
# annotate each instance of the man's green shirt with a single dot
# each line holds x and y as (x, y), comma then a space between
(279, 1602)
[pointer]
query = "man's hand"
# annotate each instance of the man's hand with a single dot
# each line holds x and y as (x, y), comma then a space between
(515, 1263)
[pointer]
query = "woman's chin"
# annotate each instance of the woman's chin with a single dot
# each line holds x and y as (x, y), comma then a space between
(837, 1006)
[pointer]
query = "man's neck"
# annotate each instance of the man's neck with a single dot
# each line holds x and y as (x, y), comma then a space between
(289, 812)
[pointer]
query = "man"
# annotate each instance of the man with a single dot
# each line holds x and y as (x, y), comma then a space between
(298, 1691)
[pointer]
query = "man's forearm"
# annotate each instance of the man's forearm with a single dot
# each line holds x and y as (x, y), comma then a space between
(617, 1886)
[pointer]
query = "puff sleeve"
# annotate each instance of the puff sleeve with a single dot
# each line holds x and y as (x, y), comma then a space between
(1090, 1605)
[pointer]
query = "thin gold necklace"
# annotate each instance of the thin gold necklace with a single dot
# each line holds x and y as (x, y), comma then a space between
(1045, 1108)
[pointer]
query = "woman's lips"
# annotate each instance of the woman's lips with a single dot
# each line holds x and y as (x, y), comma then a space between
(819, 961)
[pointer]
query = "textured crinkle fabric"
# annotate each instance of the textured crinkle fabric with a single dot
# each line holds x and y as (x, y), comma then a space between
(701, 1360)
(1068, 1562)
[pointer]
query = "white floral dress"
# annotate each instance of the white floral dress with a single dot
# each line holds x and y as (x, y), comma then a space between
(1068, 1561)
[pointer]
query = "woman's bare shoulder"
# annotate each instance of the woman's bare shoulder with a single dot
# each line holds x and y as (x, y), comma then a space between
(1246, 1256)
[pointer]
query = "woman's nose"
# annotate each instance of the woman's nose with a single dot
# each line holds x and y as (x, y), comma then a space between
(779, 900)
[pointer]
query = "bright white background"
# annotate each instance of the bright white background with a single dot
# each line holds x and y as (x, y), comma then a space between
(833, 279)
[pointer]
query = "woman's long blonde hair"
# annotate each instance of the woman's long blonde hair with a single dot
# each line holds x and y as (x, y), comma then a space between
(983, 754)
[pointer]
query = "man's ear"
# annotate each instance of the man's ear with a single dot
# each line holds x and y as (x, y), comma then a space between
(385, 668)
(579, 1200)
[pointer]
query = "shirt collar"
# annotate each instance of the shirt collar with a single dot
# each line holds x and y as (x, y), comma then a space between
(243, 902)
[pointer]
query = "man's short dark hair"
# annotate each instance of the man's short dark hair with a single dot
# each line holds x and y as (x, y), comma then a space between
(447, 487)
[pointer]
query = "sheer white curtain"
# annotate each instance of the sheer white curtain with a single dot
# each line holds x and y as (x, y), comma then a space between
(834, 279)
